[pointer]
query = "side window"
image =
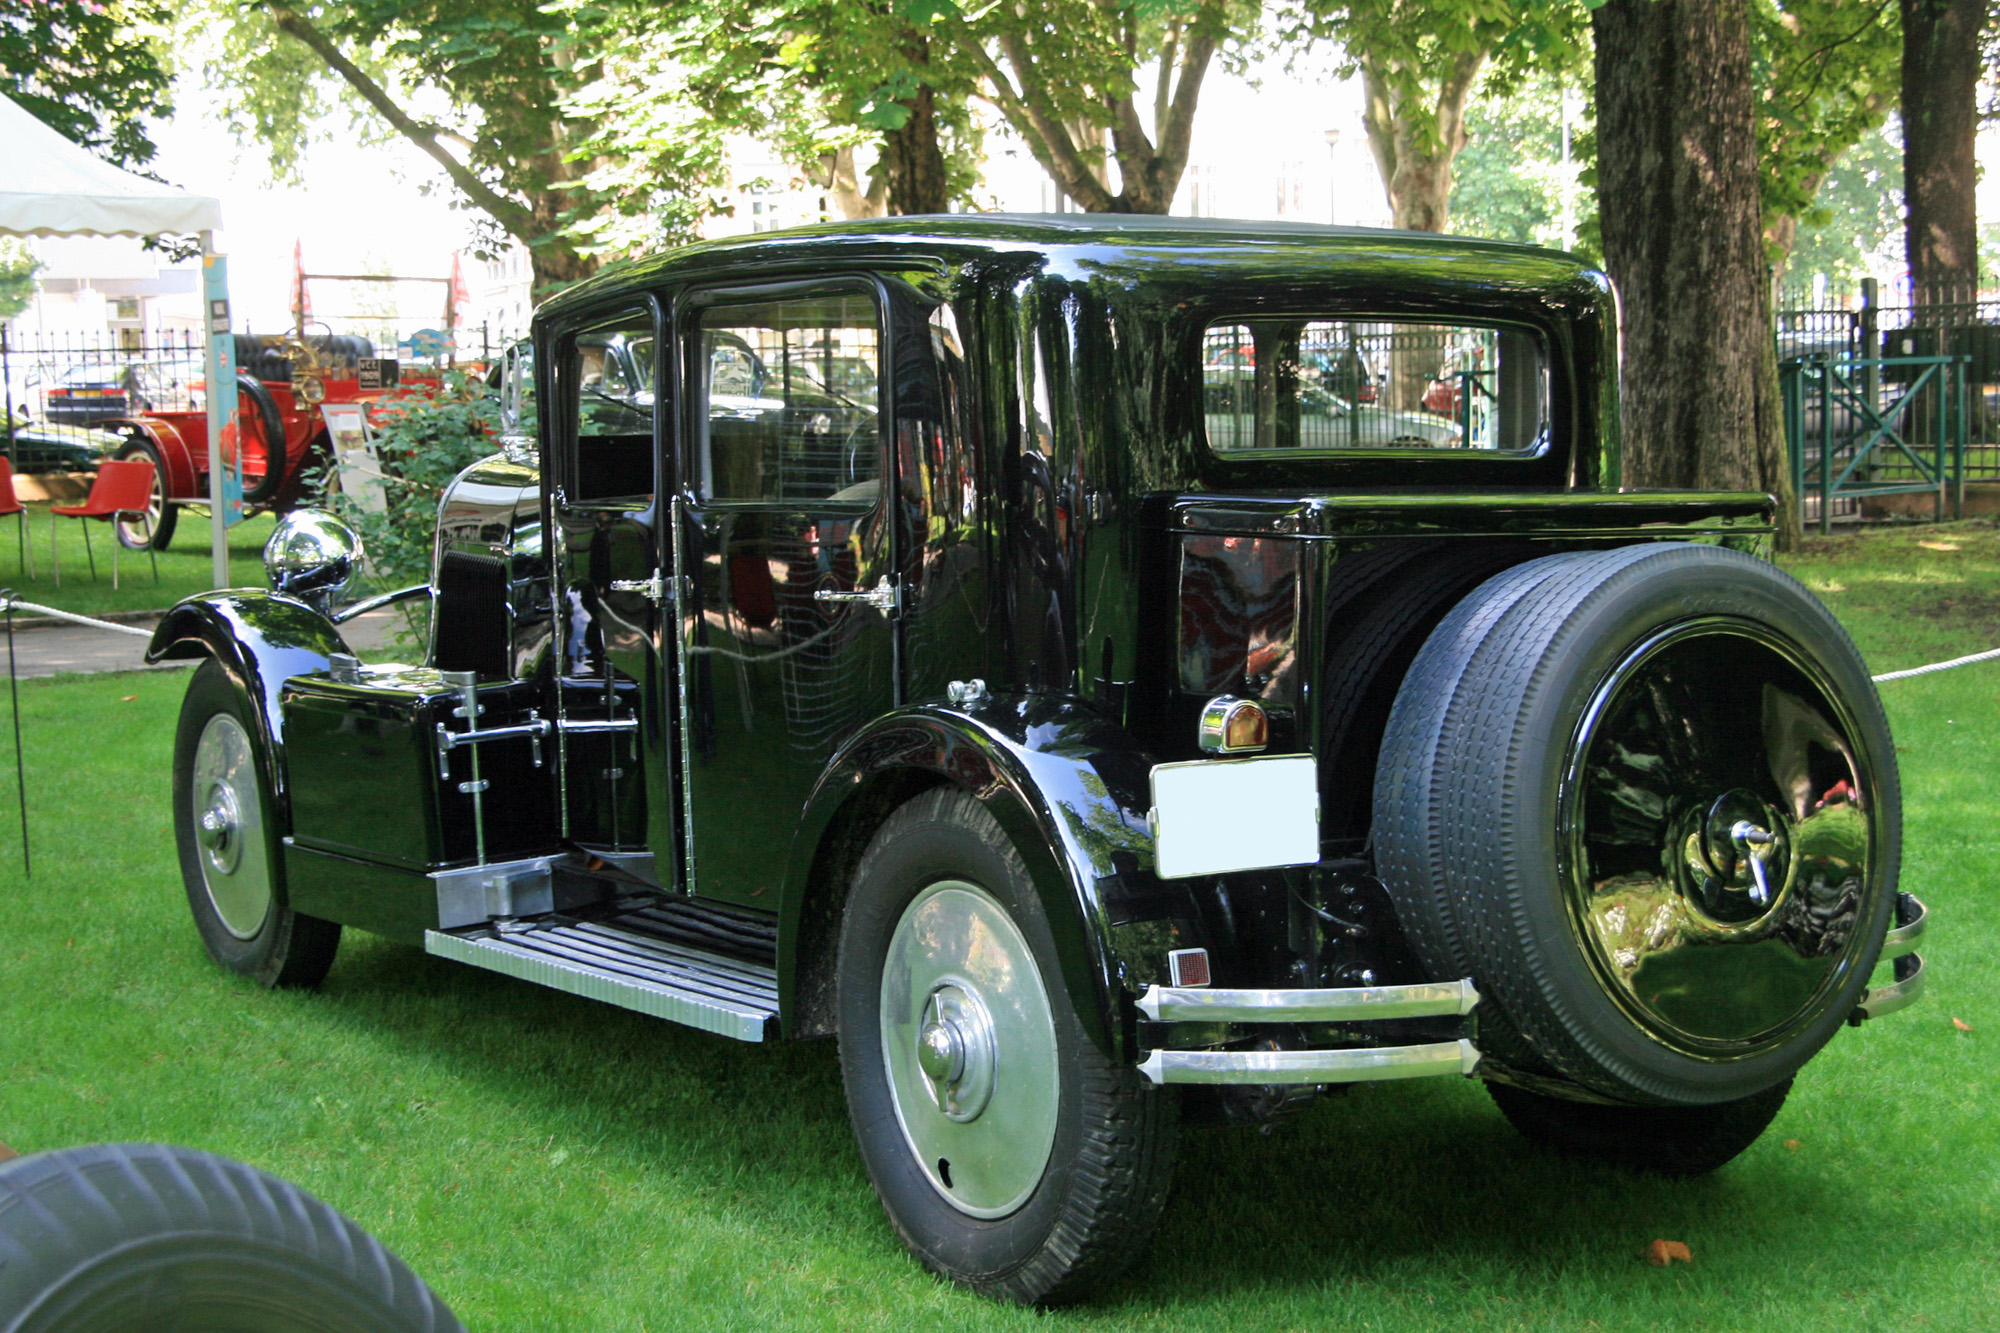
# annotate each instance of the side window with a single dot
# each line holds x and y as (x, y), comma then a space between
(1325, 385)
(790, 399)
(608, 384)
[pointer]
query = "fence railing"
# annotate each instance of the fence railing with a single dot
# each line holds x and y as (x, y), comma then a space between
(1859, 427)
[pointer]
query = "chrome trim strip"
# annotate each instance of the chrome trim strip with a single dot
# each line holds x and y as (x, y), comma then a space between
(367, 604)
(1359, 1065)
(1899, 994)
(715, 994)
(1903, 939)
(1211, 1005)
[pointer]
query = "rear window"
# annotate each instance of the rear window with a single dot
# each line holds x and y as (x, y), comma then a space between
(1297, 385)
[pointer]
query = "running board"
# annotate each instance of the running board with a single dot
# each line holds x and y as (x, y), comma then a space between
(630, 962)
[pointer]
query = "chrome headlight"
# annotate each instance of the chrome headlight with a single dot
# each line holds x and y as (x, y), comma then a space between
(312, 556)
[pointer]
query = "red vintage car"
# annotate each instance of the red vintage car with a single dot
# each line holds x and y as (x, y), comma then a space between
(275, 402)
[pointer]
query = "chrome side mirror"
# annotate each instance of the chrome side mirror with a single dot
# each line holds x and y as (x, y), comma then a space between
(312, 556)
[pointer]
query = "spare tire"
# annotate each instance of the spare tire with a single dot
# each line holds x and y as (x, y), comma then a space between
(271, 427)
(1647, 799)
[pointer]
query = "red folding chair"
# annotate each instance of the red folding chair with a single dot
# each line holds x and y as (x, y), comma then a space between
(11, 504)
(121, 488)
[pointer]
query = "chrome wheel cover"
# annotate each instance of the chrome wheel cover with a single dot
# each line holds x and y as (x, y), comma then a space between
(228, 827)
(969, 1047)
(1718, 838)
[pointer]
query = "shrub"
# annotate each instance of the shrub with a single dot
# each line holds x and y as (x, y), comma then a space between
(424, 436)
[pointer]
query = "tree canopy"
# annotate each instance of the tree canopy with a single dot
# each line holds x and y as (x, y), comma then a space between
(88, 69)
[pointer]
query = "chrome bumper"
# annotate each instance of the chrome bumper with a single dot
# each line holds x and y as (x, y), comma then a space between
(1899, 948)
(1361, 1064)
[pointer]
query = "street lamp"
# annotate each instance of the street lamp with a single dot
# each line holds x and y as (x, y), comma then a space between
(1333, 181)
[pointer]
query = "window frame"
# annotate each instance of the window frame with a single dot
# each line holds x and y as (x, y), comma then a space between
(1552, 421)
(694, 462)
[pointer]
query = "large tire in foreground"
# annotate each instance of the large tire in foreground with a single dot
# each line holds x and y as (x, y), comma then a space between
(1647, 798)
(142, 1238)
(230, 844)
(1010, 1153)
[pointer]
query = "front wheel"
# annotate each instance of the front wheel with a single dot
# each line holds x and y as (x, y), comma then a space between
(230, 843)
(1011, 1154)
(155, 527)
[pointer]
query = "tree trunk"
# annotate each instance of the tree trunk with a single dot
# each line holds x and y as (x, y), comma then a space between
(836, 175)
(1415, 166)
(911, 156)
(1681, 212)
(1941, 65)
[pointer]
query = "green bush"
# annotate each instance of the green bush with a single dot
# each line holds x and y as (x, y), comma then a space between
(425, 435)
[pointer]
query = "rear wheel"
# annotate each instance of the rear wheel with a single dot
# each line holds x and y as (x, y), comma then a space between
(156, 527)
(231, 860)
(1010, 1152)
(1647, 799)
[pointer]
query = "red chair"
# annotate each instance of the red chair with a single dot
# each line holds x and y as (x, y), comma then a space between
(121, 488)
(10, 504)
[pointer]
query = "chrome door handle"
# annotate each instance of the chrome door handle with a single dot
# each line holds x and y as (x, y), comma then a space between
(882, 596)
(654, 589)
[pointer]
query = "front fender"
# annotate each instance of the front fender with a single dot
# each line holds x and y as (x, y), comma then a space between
(1068, 786)
(262, 639)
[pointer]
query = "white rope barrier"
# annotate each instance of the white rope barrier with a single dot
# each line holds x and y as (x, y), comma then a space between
(1986, 656)
(15, 604)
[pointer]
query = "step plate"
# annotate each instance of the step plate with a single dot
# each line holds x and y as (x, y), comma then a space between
(620, 961)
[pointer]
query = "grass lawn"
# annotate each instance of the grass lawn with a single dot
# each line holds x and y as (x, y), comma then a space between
(549, 1163)
(185, 567)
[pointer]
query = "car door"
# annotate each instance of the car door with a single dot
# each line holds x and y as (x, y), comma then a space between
(609, 522)
(788, 638)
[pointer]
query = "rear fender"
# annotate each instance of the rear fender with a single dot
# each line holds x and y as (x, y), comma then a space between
(1068, 786)
(260, 638)
(176, 452)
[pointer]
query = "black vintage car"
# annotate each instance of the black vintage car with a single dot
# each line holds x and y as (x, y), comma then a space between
(915, 652)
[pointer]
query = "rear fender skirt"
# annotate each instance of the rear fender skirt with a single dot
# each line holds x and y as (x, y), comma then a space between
(260, 638)
(1068, 786)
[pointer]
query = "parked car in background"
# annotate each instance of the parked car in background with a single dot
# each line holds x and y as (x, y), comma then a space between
(41, 447)
(100, 390)
(1081, 728)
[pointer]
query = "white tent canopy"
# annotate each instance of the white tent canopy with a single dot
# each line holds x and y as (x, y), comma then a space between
(51, 187)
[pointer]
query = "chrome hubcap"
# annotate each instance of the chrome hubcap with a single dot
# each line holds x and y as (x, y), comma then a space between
(229, 827)
(1718, 826)
(968, 1041)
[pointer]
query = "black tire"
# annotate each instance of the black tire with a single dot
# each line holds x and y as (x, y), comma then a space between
(1647, 798)
(158, 527)
(234, 869)
(143, 1238)
(1664, 1140)
(263, 488)
(1084, 1213)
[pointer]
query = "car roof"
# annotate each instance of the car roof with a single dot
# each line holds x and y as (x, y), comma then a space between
(1109, 245)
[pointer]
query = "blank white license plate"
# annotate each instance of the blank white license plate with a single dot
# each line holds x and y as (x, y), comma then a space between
(1217, 815)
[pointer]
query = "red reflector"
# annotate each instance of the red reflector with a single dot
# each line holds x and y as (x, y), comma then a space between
(1188, 967)
(1247, 730)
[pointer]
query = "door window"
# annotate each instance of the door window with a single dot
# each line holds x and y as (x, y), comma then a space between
(790, 400)
(609, 381)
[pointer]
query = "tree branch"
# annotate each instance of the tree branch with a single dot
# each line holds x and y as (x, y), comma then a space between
(516, 217)
(1038, 127)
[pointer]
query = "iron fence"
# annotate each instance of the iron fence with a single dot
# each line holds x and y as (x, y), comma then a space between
(1871, 426)
(1958, 321)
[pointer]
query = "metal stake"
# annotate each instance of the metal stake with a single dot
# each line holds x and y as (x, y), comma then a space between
(20, 768)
